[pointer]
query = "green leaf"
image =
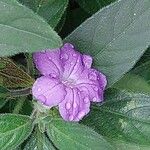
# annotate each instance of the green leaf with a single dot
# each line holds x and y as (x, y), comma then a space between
(2, 102)
(11, 76)
(124, 116)
(92, 6)
(61, 23)
(137, 80)
(133, 83)
(14, 129)
(122, 145)
(50, 10)
(27, 108)
(23, 31)
(18, 148)
(4, 94)
(77, 136)
(38, 141)
(143, 71)
(115, 36)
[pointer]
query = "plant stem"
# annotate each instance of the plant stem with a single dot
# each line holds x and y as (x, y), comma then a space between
(20, 92)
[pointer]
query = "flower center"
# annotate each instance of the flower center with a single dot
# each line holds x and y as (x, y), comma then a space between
(69, 82)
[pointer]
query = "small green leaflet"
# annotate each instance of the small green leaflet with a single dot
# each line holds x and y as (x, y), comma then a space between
(39, 141)
(116, 37)
(4, 95)
(23, 31)
(77, 136)
(14, 129)
(11, 76)
(2, 102)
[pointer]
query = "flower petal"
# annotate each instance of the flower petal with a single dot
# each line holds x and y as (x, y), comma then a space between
(48, 62)
(48, 91)
(92, 83)
(72, 62)
(87, 60)
(75, 105)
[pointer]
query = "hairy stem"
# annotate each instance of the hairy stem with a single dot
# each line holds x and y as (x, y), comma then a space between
(20, 92)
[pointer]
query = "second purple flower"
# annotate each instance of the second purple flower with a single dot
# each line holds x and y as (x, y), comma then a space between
(67, 81)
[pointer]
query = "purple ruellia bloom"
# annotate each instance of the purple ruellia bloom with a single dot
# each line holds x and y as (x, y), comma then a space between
(68, 81)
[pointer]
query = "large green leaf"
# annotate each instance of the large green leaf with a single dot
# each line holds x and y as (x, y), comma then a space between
(134, 83)
(115, 36)
(23, 31)
(124, 116)
(14, 129)
(38, 141)
(143, 71)
(51, 10)
(122, 145)
(77, 136)
(11, 76)
(91, 6)
(137, 80)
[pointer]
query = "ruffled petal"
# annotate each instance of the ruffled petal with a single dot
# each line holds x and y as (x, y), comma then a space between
(48, 62)
(87, 60)
(72, 62)
(75, 105)
(48, 91)
(92, 83)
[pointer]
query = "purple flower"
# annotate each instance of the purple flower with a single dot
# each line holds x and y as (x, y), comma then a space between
(67, 81)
